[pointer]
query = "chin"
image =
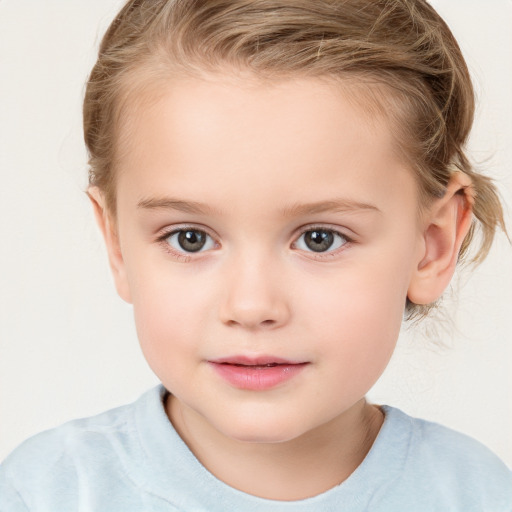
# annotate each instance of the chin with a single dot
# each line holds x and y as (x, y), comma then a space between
(261, 432)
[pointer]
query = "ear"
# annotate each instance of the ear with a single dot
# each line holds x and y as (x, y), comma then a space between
(446, 226)
(106, 223)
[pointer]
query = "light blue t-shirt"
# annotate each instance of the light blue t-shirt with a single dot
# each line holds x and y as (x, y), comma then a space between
(130, 459)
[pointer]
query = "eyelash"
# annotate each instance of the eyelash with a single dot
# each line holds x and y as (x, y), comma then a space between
(188, 256)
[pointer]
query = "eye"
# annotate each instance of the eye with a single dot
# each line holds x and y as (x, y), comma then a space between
(190, 240)
(320, 240)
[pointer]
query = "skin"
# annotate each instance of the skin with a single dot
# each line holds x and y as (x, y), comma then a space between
(255, 165)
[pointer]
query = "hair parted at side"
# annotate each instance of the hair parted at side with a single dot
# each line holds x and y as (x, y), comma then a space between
(401, 46)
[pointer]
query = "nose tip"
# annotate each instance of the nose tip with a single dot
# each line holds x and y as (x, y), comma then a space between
(254, 300)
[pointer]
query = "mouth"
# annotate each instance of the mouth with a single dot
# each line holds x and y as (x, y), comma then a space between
(257, 374)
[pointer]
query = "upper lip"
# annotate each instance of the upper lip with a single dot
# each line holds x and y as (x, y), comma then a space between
(255, 361)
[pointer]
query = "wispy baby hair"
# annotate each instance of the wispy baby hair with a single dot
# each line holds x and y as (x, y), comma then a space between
(399, 53)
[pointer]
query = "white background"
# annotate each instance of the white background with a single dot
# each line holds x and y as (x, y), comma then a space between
(67, 343)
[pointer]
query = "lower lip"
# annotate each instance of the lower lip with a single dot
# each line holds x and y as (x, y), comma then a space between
(257, 378)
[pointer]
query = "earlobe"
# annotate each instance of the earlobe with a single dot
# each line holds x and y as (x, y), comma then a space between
(108, 230)
(447, 224)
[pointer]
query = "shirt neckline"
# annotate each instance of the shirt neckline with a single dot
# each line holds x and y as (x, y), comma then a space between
(171, 471)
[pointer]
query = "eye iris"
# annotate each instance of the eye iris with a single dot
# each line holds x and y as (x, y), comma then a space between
(318, 240)
(191, 241)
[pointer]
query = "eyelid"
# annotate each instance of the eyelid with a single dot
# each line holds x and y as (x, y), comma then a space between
(340, 230)
(167, 231)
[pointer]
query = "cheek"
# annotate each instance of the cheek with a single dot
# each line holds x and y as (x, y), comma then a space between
(360, 340)
(170, 312)
(359, 314)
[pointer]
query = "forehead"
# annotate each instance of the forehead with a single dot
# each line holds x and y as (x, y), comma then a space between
(238, 90)
(226, 130)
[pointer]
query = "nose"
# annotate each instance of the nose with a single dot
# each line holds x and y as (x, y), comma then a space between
(255, 296)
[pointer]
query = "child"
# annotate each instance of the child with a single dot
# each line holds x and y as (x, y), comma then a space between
(276, 183)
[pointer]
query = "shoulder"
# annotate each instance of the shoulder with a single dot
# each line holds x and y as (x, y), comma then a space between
(52, 445)
(57, 461)
(453, 464)
(444, 447)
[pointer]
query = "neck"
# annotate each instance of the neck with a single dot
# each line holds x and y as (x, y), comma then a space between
(292, 470)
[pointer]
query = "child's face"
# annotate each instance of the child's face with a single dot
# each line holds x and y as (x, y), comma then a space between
(264, 224)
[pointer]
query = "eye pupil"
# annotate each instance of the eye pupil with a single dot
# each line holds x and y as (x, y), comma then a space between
(191, 241)
(319, 240)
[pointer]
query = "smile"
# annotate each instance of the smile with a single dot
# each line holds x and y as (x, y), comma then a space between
(256, 374)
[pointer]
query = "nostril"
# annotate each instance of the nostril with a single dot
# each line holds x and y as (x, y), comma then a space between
(264, 323)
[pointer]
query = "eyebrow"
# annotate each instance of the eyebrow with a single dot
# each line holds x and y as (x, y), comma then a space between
(169, 203)
(334, 205)
(194, 207)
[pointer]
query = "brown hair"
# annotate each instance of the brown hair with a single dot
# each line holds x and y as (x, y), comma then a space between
(401, 45)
